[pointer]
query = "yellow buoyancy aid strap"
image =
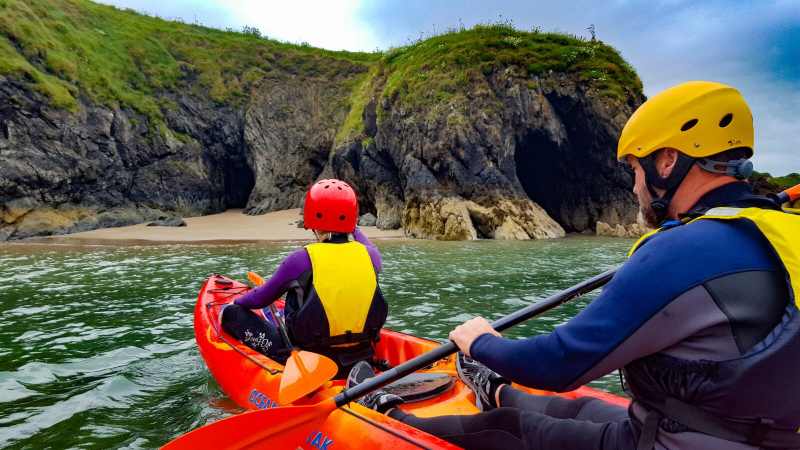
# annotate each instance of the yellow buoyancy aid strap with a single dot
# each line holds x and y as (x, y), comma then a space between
(641, 240)
(781, 229)
(345, 282)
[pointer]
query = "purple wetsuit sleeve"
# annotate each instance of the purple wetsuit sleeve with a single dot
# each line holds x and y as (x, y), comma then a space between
(374, 253)
(290, 269)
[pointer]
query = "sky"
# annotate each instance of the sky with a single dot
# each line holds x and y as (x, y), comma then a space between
(752, 45)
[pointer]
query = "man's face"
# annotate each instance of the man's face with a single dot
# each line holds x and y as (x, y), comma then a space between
(642, 193)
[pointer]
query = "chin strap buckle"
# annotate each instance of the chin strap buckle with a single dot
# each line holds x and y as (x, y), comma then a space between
(739, 168)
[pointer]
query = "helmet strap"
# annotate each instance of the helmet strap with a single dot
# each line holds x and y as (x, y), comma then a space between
(669, 184)
(739, 168)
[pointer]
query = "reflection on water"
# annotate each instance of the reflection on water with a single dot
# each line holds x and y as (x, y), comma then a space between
(97, 348)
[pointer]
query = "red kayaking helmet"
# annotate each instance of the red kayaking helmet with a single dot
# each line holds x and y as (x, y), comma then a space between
(331, 205)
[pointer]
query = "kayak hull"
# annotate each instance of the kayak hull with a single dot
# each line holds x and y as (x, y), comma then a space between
(252, 380)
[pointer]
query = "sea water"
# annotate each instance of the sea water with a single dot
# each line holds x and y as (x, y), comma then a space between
(96, 342)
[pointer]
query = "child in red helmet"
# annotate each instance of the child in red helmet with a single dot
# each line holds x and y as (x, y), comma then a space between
(334, 305)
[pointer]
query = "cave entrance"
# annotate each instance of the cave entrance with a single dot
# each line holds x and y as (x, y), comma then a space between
(238, 182)
(543, 171)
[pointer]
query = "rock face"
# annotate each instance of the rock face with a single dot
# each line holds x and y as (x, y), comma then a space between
(633, 230)
(167, 222)
(289, 129)
(367, 220)
(64, 171)
(515, 158)
(505, 155)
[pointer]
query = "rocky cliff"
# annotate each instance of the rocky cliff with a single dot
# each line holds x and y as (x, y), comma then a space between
(483, 133)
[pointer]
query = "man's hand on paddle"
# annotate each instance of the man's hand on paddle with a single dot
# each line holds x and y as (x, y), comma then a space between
(465, 334)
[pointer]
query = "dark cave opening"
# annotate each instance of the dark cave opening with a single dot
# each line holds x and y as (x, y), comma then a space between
(238, 182)
(575, 181)
(545, 173)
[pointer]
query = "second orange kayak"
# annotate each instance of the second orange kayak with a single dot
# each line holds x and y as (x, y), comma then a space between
(251, 380)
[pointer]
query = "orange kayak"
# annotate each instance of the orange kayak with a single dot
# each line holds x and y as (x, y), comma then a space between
(251, 380)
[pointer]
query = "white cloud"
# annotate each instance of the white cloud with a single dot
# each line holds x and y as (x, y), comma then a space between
(331, 24)
(328, 24)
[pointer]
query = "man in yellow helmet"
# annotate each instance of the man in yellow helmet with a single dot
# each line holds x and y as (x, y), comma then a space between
(702, 320)
(685, 138)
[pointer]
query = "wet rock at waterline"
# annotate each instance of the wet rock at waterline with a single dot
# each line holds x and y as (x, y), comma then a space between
(454, 218)
(173, 221)
(633, 230)
(367, 220)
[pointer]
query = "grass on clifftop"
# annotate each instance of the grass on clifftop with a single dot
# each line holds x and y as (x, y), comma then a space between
(443, 65)
(66, 47)
(435, 70)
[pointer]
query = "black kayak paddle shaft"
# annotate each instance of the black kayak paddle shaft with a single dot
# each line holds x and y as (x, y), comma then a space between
(449, 348)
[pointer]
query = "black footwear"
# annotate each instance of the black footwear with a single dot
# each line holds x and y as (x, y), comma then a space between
(378, 400)
(481, 379)
(358, 373)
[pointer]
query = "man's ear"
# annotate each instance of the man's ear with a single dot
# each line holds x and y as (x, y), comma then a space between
(665, 161)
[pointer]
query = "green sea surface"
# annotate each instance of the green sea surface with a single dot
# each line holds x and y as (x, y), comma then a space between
(96, 342)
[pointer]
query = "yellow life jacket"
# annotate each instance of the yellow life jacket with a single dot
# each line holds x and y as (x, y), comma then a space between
(345, 282)
(780, 228)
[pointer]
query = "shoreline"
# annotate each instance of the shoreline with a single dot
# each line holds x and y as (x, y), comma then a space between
(229, 227)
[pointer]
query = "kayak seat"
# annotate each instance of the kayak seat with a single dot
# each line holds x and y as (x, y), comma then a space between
(421, 386)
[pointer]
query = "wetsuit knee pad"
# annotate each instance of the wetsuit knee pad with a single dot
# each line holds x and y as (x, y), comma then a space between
(562, 408)
(504, 419)
(232, 313)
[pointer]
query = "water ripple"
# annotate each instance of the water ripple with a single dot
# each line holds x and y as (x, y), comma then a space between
(97, 347)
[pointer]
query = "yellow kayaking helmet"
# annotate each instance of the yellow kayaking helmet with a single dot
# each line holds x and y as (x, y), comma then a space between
(697, 118)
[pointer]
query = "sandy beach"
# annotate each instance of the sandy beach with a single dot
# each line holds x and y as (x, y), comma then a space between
(230, 225)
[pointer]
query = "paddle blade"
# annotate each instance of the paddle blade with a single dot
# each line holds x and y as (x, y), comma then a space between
(255, 278)
(275, 428)
(305, 372)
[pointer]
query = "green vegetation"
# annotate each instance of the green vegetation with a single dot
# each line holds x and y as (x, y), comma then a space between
(69, 48)
(354, 123)
(63, 47)
(784, 182)
(440, 67)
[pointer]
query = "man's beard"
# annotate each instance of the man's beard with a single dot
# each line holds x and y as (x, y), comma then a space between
(649, 215)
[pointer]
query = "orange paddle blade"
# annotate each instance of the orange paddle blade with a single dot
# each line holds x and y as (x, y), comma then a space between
(275, 428)
(255, 278)
(304, 373)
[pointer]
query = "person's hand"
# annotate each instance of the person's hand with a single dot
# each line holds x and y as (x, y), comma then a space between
(466, 333)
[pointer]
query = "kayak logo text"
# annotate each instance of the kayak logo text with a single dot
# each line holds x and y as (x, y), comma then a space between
(319, 441)
(261, 401)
